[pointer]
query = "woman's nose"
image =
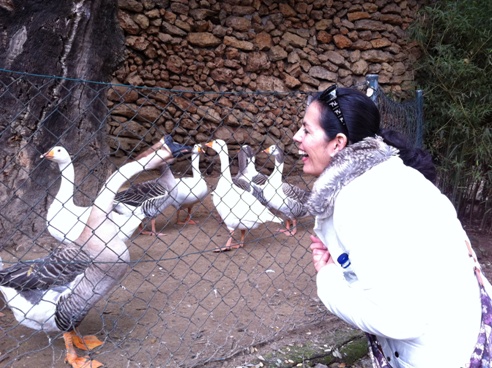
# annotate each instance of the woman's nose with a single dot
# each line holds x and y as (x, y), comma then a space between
(297, 136)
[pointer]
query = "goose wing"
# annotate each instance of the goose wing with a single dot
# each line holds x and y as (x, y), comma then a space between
(250, 187)
(139, 193)
(190, 190)
(246, 205)
(98, 280)
(296, 199)
(260, 179)
(61, 267)
(295, 193)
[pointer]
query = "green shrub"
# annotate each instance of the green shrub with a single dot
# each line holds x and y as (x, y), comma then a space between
(455, 73)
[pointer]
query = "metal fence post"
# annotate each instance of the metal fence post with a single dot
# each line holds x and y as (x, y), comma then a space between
(419, 136)
(372, 81)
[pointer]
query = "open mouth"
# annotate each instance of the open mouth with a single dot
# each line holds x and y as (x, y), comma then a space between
(302, 154)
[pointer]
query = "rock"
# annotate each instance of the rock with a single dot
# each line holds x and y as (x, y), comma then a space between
(142, 21)
(277, 53)
(292, 82)
(376, 56)
(319, 72)
(358, 15)
(263, 41)
(294, 40)
(266, 83)
(175, 64)
(127, 23)
(371, 25)
(342, 41)
(222, 75)
(257, 61)
(203, 39)
(335, 58)
(324, 37)
(240, 24)
(138, 43)
(287, 10)
(131, 5)
(172, 30)
(380, 43)
(360, 67)
(242, 45)
(323, 25)
(202, 14)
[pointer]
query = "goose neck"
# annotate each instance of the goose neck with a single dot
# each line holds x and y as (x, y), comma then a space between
(195, 165)
(104, 201)
(224, 164)
(278, 170)
(67, 183)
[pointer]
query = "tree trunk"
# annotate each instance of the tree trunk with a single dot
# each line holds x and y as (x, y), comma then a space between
(71, 40)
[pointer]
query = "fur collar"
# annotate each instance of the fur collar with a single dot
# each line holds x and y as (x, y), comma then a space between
(348, 164)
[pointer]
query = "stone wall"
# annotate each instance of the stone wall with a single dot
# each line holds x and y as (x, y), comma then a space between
(250, 46)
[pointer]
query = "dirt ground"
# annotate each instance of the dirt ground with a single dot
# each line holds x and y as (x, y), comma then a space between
(183, 305)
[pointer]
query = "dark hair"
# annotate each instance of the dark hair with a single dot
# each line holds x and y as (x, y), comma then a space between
(362, 119)
(412, 156)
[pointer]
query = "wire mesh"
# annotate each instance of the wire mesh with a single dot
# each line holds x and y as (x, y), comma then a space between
(180, 303)
(404, 117)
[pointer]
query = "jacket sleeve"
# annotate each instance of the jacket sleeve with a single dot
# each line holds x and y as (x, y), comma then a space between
(384, 315)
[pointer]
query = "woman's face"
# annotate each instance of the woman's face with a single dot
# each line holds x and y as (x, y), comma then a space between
(315, 148)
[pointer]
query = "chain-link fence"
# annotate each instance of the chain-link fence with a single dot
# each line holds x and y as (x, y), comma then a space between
(179, 303)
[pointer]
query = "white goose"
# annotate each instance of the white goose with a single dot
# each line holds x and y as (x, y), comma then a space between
(148, 199)
(191, 190)
(286, 198)
(152, 197)
(65, 220)
(247, 177)
(238, 208)
(55, 293)
(247, 168)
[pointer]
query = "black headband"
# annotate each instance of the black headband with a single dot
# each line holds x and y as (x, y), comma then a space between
(329, 96)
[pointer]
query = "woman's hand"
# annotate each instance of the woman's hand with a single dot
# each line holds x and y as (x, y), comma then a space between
(321, 255)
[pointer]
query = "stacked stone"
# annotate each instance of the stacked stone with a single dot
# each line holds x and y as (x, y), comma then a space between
(204, 46)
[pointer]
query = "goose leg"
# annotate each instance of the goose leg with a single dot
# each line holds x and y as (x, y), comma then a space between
(177, 217)
(72, 358)
(241, 243)
(87, 342)
(293, 230)
(188, 219)
(289, 230)
(229, 245)
(153, 232)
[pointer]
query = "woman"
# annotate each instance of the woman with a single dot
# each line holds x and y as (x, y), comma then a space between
(408, 281)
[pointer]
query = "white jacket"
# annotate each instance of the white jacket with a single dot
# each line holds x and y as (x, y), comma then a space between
(415, 288)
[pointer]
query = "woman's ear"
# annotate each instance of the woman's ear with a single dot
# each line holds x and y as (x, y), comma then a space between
(341, 141)
(337, 144)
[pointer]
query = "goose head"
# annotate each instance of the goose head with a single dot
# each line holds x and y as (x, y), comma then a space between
(246, 157)
(248, 151)
(218, 146)
(58, 154)
(276, 152)
(166, 143)
(197, 149)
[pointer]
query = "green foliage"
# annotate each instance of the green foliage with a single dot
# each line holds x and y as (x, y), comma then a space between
(455, 73)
